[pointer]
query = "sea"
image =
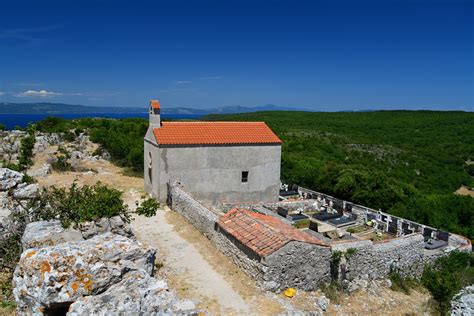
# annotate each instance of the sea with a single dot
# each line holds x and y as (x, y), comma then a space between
(22, 120)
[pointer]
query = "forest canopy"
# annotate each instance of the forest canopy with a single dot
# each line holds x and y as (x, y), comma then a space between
(408, 163)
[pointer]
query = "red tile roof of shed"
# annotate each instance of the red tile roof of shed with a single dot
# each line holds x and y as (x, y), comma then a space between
(217, 133)
(261, 233)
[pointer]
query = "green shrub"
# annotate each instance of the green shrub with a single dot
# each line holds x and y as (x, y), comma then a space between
(470, 169)
(26, 151)
(12, 166)
(61, 164)
(402, 284)
(447, 276)
(148, 207)
(87, 203)
(79, 204)
(2, 127)
(69, 136)
(304, 223)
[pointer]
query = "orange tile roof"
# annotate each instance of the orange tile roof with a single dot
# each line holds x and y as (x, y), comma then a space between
(261, 233)
(218, 133)
(155, 104)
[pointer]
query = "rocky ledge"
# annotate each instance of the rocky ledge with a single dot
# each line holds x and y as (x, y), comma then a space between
(62, 271)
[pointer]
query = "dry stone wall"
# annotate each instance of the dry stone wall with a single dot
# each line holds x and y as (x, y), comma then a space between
(297, 264)
(368, 260)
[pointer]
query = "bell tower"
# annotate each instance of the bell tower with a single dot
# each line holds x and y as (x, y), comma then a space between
(154, 114)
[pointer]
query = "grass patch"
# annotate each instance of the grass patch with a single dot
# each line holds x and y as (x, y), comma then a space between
(304, 223)
(129, 172)
(333, 291)
(404, 285)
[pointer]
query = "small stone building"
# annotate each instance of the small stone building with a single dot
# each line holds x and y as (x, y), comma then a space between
(217, 162)
(276, 254)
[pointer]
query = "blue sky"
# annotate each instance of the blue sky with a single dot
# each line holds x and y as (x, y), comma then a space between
(324, 55)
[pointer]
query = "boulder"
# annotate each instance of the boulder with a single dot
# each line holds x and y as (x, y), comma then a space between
(41, 143)
(51, 278)
(137, 294)
(463, 302)
(42, 171)
(114, 224)
(26, 191)
(48, 233)
(322, 302)
(9, 179)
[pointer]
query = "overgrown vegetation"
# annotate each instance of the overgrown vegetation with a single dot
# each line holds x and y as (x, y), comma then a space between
(304, 223)
(122, 139)
(407, 163)
(61, 164)
(86, 203)
(448, 275)
(444, 278)
(402, 284)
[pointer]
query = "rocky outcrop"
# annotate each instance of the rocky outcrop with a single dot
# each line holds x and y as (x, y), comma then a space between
(43, 141)
(137, 293)
(10, 142)
(41, 171)
(48, 233)
(51, 277)
(463, 302)
(114, 225)
(26, 191)
(9, 179)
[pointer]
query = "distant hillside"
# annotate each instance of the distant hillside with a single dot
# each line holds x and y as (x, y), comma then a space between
(408, 163)
(62, 108)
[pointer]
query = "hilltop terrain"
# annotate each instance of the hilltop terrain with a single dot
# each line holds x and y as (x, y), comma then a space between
(409, 163)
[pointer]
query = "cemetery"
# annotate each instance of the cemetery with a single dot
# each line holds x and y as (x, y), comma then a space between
(308, 238)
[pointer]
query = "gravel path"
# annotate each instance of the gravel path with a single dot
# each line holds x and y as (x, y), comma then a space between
(186, 261)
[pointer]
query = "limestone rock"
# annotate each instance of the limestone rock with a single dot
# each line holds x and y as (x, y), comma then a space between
(47, 233)
(463, 302)
(114, 224)
(42, 171)
(26, 191)
(9, 179)
(55, 276)
(322, 302)
(136, 294)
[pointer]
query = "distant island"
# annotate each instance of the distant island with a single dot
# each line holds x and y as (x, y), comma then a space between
(62, 108)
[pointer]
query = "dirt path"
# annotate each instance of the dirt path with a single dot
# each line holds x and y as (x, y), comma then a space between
(184, 265)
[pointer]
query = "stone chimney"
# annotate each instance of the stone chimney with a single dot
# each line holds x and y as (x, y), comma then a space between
(154, 114)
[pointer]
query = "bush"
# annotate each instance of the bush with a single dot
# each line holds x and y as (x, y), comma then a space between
(2, 127)
(470, 169)
(26, 151)
(79, 204)
(69, 136)
(402, 284)
(148, 207)
(61, 164)
(87, 203)
(447, 276)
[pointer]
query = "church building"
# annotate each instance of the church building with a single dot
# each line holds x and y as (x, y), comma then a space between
(216, 162)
